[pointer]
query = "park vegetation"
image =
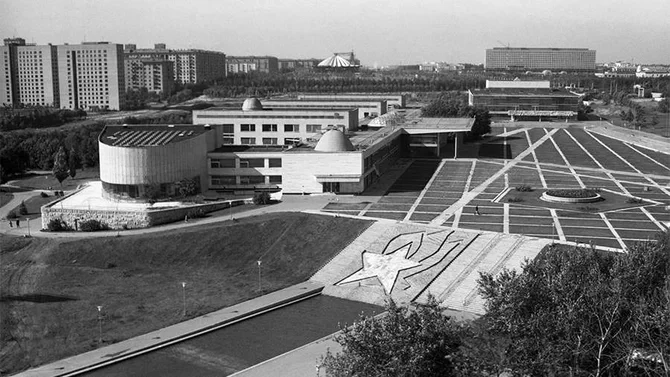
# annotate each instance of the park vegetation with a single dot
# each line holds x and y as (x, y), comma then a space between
(454, 105)
(569, 312)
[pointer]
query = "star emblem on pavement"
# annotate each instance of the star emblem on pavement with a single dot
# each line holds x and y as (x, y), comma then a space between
(385, 267)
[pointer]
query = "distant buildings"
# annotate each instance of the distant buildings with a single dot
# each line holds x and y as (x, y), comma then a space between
(246, 64)
(341, 62)
(85, 76)
(188, 66)
(526, 100)
(440, 67)
(288, 65)
(538, 59)
(156, 76)
(393, 100)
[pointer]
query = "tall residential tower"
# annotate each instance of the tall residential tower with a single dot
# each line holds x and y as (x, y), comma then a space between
(538, 59)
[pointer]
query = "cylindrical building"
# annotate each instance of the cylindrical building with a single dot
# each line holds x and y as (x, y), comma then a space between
(148, 162)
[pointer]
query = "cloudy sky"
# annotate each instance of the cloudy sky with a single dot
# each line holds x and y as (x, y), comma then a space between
(380, 32)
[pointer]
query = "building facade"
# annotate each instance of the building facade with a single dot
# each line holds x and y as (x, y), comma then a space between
(289, 65)
(91, 76)
(155, 75)
(28, 74)
(365, 108)
(538, 59)
(188, 66)
(246, 64)
(393, 100)
(527, 103)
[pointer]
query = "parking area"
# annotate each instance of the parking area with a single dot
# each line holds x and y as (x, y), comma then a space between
(462, 192)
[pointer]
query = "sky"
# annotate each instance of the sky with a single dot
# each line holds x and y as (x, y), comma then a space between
(379, 32)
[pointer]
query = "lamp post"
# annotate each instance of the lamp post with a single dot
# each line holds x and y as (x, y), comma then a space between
(28, 220)
(183, 291)
(99, 324)
(260, 289)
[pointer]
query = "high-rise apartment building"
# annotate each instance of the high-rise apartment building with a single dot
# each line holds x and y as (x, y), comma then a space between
(155, 75)
(188, 66)
(29, 74)
(246, 64)
(534, 59)
(86, 76)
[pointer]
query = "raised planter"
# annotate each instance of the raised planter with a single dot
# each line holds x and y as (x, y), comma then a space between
(561, 199)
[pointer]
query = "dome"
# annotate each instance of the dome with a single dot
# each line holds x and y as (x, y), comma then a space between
(252, 103)
(335, 61)
(334, 141)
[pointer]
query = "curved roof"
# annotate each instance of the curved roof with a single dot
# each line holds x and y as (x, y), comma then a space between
(252, 103)
(334, 141)
(335, 61)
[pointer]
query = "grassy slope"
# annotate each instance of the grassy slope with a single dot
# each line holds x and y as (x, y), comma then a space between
(138, 279)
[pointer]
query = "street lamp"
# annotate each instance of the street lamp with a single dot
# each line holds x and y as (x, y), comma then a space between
(260, 289)
(183, 291)
(99, 324)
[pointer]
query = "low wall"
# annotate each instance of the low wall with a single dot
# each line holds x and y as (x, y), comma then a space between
(559, 199)
(129, 219)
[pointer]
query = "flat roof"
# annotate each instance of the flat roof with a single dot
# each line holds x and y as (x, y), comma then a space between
(448, 124)
(148, 135)
(536, 92)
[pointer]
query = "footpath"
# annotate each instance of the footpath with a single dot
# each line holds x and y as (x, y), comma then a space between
(175, 333)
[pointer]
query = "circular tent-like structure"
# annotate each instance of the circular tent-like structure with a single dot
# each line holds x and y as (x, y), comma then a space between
(334, 141)
(337, 62)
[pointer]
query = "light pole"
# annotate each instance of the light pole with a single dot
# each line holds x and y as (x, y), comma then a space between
(183, 291)
(99, 324)
(28, 220)
(260, 289)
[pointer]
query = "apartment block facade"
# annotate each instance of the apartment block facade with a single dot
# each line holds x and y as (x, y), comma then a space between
(535, 59)
(188, 66)
(29, 74)
(246, 64)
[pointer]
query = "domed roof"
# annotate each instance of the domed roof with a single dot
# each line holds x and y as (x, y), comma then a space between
(334, 141)
(252, 103)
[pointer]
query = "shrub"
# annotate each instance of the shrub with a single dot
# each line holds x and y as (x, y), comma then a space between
(12, 215)
(57, 225)
(524, 188)
(515, 200)
(44, 194)
(635, 200)
(92, 225)
(261, 198)
(23, 210)
(579, 193)
(196, 213)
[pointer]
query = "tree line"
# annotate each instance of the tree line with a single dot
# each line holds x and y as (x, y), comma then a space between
(30, 149)
(569, 312)
(455, 105)
(37, 117)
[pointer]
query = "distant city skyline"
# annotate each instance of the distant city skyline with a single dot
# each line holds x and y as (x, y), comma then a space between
(381, 33)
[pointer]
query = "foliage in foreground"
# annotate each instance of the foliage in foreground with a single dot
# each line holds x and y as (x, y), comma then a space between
(569, 312)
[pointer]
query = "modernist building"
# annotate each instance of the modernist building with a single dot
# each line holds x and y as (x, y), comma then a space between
(28, 74)
(246, 64)
(91, 76)
(538, 59)
(392, 100)
(188, 66)
(147, 161)
(366, 108)
(156, 76)
(526, 99)
(256, 125)
(289, 65)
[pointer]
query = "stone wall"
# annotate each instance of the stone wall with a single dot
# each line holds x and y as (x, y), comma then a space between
(129, 219)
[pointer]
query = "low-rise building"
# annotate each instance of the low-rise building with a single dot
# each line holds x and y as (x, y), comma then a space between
(246, 64)
(393, 100)
(366, 108)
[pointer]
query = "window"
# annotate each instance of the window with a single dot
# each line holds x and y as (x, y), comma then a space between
(228, 139)
(313, 128)
(270, 141)
(228, 128)
(269, 128)
(275, 162)
(252, 179)
(252, 162)
(248, 140)
(223, 163)
(275, 179)
(291, 140)
(220, 180)
(247, 128)
(291, 128)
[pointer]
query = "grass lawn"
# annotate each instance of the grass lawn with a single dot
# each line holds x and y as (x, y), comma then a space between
(5, 197)
(51, 287)
(44, 181)
(34, 205)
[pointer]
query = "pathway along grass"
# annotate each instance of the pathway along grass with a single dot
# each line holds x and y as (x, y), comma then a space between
(50, 288)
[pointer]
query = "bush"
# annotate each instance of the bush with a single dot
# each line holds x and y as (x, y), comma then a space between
(92, 225)
(57, 225)
(635, 201)
(44, 194)
(580, 193)
(515, 200)
(12, 215)
(23, 210)
(261, 198)
(524, 188)
(196, 213)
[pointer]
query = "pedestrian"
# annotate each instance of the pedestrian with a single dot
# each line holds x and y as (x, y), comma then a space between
(186, 218)
(477, 210)
(17, 223)
(10, 223)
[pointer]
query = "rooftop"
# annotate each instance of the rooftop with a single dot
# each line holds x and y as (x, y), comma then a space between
(537, 92)
(148, 135)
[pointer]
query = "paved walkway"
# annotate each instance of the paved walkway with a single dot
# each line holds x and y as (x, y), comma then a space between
(173, 334)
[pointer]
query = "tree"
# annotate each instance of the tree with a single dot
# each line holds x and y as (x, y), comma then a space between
(403, 342)
(72, 163)
(23, 210)
(60, 169)
(664, 106)
(581, 312)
